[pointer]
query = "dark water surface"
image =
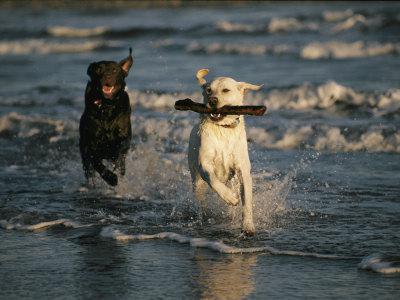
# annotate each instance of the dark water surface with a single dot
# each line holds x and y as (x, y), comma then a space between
(325, 157)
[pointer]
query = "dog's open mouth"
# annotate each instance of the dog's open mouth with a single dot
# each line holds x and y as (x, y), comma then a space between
(216, 117)
(108, 91)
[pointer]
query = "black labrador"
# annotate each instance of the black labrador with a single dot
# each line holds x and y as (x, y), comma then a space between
(105, 126)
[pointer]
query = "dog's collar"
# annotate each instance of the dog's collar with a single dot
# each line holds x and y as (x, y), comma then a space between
(234, 124)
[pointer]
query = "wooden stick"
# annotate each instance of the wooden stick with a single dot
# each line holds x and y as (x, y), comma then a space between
(252, 110)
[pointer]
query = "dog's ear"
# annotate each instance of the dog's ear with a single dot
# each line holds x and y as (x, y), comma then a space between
(200, 76)
(91, 69)
(127, 63)
(244, 86)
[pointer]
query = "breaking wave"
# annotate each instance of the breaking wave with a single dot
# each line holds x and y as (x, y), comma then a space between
(330, 96)
(173, 129)
(311, 51)
(39, 226)
(109, 232)
(326, 138)
(333, 22)
(42, 46)
(379, 264)
(14, 124)
(275, 25)
(340, 50)
(240, 49)
(73, 32)
(64, 31)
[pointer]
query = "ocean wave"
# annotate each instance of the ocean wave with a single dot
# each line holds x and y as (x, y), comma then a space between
(317, 137)
(331, 96)
(172, 129)
(97, 31)
(326, 138)
(311, 51)
(39, 226)
(238, 48)
(42, 46)
(379, 264)
(64, 31)
(227, 26)
(337, 15)
(110, 232)
(327, 96)
(363, 23)
(290, 25)
(275, 25)
(350, 22)
(341, 50)
(329, 22)
(14, 124)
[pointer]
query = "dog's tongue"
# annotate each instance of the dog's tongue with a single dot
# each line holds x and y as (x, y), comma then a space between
(107, 90)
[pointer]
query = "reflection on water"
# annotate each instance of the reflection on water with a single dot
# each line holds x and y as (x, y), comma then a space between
(225, 277)
(100, 262)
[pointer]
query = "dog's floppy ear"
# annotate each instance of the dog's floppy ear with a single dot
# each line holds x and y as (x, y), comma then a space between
(91, 69)
(243, 86)
(127, 63)
(200, 74)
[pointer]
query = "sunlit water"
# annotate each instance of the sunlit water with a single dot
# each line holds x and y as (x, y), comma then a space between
(325, 157)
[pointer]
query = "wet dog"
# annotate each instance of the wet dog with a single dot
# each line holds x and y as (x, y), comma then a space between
(218, 147)
(105, 125)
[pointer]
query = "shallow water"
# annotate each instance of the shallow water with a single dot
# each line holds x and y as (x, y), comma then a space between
(325, 157)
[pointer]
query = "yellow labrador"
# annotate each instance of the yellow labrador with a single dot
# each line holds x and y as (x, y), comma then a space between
(218, 146)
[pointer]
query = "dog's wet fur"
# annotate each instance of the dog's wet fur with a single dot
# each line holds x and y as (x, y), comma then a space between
(105, 125)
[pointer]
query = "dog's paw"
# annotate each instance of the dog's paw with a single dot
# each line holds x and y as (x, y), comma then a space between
(249, 229)
(231, 198)
(110, 177)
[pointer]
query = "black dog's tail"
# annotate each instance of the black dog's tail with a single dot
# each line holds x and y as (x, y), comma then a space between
(130, 51)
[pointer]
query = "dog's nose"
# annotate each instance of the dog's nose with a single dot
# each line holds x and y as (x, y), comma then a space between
(213, 101)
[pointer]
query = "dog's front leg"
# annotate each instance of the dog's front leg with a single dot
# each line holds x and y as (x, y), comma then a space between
(199, 190)
(247, 201)
(109, 177)
(209, 176)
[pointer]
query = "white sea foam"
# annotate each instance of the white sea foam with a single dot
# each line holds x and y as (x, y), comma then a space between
(341, 50)
(328, 95)
(227, 26)
(349, 23)
(239, 48)
(115, 234)
(65, 31)
(42, 46)
(334, 16)
(379, 264)
(15, 124)
(275, 25)
(217, 246)
(173, 131)
(327, 139)
(42, 225)
(311, 51)
(290, 25)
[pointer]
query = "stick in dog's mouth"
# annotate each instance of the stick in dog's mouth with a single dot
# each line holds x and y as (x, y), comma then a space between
(216, 117)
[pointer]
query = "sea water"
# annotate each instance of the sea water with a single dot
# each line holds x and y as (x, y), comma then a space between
(325, 157)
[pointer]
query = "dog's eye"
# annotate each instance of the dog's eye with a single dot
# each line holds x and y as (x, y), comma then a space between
(114, 70)
(226, 90)
(100, 69)
(208, 90)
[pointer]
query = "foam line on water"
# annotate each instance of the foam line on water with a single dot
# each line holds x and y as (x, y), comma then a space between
(378, 264)
(373, 263)
(109, 232)
(42, 225)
